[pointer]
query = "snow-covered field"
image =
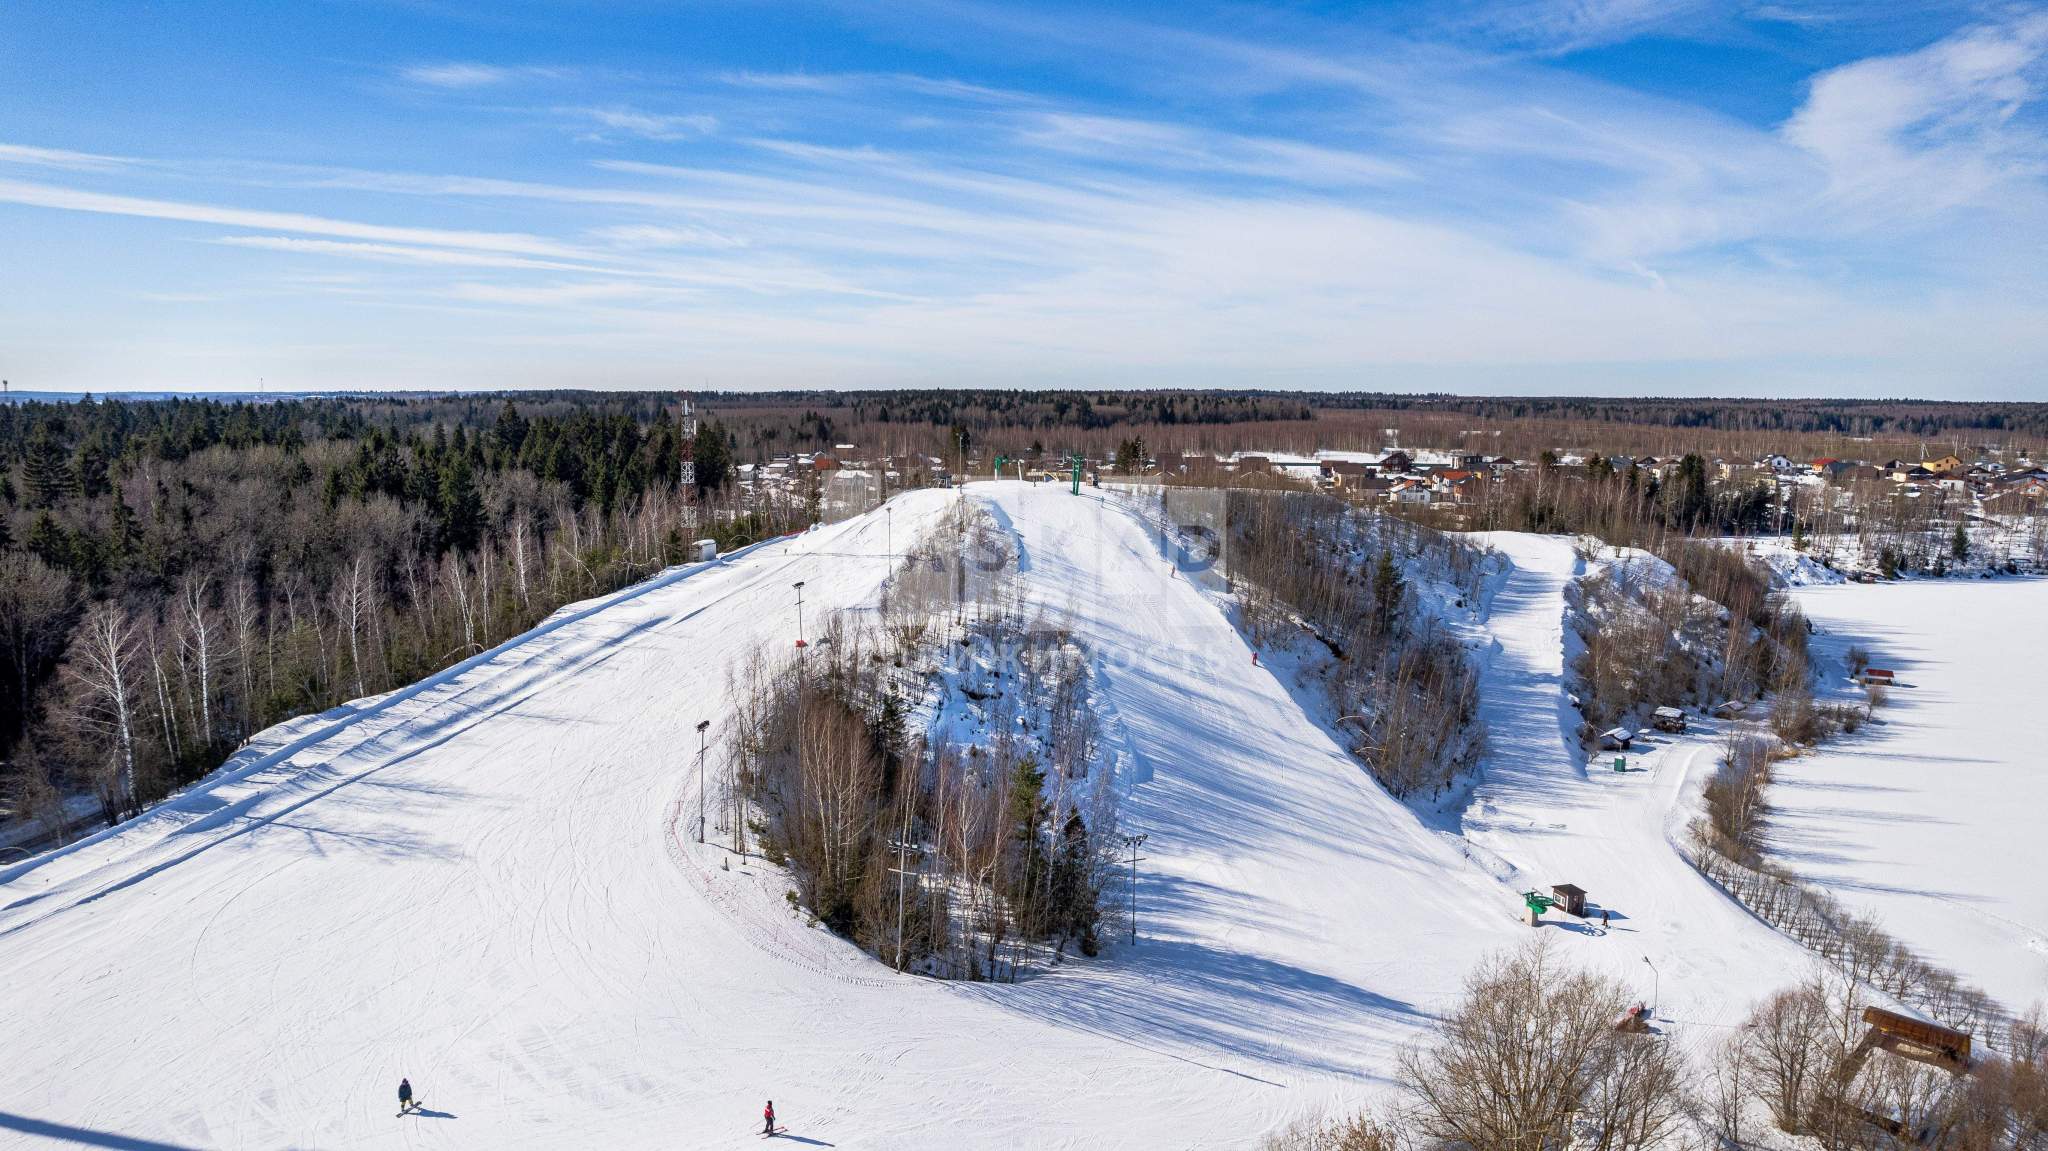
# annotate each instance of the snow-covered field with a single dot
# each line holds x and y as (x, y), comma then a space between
(1934, 818)
(490, 884)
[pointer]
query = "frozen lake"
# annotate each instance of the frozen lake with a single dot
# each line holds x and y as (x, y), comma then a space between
(1934, 819)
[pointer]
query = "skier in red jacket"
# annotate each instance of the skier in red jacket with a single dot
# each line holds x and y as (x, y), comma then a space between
(768, 1118)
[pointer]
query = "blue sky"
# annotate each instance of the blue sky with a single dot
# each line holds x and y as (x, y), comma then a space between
(1588, 196)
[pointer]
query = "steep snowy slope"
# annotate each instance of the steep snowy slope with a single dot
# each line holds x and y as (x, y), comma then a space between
(490, 884)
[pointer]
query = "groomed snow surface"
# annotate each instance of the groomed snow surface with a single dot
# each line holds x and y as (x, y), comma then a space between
(490, 884)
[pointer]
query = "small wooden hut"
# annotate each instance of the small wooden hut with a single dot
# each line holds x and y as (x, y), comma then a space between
(1570, 897)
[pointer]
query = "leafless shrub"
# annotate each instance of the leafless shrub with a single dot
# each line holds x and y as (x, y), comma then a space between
(1859, 658)
(1361, 1132)
(1504, 1076)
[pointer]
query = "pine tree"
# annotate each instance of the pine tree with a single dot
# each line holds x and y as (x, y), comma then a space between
(888, 733)
(89, 464)
(509, 432)
(1959, 546)
(47, 539)
(1027, 812)
(1685, 498)
(713, 456)
(1130, 456)
(1074, 908)
(462, 509)
(1386, 593)
(45, 470)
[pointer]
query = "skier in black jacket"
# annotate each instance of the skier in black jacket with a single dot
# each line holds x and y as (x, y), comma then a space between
(404, 1094)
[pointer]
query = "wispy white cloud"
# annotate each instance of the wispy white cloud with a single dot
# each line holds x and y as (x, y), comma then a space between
(647, 125)
(396, 253)
(939, 87)
(1155, 143)
(460, 75)
(59, 158)
(645, 236)
(1916, 134)
(1561, 26)
(81, 200)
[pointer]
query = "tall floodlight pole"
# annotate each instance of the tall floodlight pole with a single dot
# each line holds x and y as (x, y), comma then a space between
(686, 470)
(1134, 842)
(902, 878)
(703, 797)
(1656, 986)
(799, 585)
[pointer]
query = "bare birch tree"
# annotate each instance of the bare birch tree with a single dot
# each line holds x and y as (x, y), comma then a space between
(102, 672)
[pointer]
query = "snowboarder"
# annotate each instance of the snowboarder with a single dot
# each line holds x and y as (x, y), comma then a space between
(404, 1095)
(1603, 919)
(768, 1118)
(1255, 659)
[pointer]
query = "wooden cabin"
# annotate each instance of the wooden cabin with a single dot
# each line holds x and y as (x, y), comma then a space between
(1570, 897)
(1616, 739)
(1668, 719)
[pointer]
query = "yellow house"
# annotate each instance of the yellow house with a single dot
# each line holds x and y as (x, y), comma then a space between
(1944, 466)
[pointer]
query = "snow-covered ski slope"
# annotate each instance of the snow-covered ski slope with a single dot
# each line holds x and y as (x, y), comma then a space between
(1542, 814)
(1932, 819)
(489, 883)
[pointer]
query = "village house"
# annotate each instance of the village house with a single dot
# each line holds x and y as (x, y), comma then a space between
(1342, 474)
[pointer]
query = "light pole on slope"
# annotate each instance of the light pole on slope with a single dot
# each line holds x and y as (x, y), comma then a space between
(1656, 986)
(1134, 842)
(703, 799)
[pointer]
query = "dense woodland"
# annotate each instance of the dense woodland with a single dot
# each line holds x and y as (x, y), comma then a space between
(177, 575)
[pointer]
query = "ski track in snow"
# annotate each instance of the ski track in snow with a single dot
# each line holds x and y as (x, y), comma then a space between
(1554, 818)
(490, 882)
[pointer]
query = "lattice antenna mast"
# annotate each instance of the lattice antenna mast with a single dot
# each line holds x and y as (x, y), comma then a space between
(686, 475)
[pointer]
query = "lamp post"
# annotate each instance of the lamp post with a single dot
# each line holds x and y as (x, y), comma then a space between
(703, 799)
(1656, 986)
(799, 585)
(1134, 842)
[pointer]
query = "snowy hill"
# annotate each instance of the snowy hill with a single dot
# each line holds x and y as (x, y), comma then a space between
(490, 883)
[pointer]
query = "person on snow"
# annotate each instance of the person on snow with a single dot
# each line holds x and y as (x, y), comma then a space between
(404, 1094)
(768, 1118)
(1603, 919)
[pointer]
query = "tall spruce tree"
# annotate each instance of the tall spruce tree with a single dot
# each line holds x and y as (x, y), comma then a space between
(462, 509)
(44, 468)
